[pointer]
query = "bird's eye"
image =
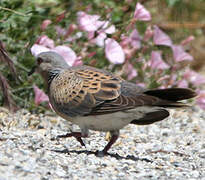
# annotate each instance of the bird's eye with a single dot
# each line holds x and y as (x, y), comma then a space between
(39, 60)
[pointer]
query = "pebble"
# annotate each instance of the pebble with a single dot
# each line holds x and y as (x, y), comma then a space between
(170, 149)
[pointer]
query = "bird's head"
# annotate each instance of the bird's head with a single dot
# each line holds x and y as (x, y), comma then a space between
(48, 61)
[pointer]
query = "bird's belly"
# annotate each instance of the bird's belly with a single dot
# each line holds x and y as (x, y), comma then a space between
(113, 121)
(108, 122)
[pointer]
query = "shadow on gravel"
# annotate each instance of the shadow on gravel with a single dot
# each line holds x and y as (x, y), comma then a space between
(117, 156)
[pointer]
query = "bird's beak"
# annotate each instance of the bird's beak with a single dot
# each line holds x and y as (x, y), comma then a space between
(33, 69)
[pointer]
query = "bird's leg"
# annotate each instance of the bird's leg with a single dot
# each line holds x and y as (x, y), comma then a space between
(110, 143)
(77, 135)
(113, 139)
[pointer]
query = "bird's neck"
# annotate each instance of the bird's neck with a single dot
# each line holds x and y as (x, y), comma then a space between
(52, 74)
(49, 76)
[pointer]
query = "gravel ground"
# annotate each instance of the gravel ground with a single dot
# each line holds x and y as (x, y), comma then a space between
(170, 149)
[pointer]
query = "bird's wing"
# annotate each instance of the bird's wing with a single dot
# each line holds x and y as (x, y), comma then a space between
(85, 91)
(131, 97)
(78, 90)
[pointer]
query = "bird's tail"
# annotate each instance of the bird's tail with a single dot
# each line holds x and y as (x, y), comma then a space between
(170, 97)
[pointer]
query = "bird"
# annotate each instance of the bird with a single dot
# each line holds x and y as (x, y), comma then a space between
(95, 99)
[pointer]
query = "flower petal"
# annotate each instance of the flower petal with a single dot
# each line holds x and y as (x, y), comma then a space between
(67, 53)
(45, 41)
(45, 24)
(148, 33)
(187, 40)
(100, 39)
(125, 41)
(161, 38)
(114, 51)
(60, 17)
(180, 55)
(135, 39)
(60, 31)
(194, 77)
(40, 96)
(182, 83)
(141, 13)
(131, 71)
(110, 30)
(37, 49)
(201, 99)
(88, 22)
(156, 61)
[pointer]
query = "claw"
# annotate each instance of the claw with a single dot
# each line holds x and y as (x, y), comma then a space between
(77, 135)
(80, 141)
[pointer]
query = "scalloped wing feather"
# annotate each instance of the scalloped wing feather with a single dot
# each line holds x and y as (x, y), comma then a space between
(78, 90)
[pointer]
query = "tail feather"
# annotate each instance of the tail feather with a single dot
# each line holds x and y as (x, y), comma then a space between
(168, 98)
(172, 94)
(170, 104)
(151, 117)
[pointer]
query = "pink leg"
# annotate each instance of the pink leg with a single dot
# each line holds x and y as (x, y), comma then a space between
(77, 135)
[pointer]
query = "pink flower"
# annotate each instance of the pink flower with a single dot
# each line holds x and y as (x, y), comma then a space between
(91, 34)
(125, 41)
(88, 22)
(60, 31)
(129, 52)
(67, 53)
(114, 52)
(131, 71)
(131, 44)
(106, 28)
(110, 30)
(91, 23)
(160, 38)
(60, 17)
(135, 39)
(183, 83)
(100, 39)
(40, 96)
(42, 46)
(91, 54)
(156, 61)
(148, 33)
(45, 41)
(141, 13)
(187, 40)
(71, 29)
(37, 49)
(180, 55)
(201, 99)
(194, 77)
(45, 24)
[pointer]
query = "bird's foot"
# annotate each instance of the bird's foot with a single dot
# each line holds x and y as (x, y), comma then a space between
(77, 135)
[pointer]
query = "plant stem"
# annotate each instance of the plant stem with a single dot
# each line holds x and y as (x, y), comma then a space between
(11, 10)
